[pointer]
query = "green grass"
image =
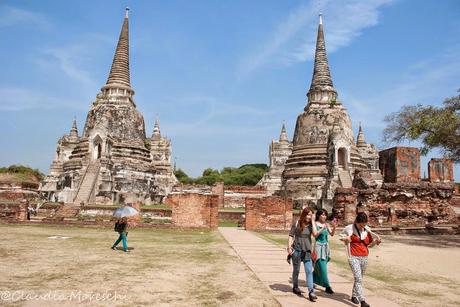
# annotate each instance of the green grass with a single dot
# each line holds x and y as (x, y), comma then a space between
(242, 210)
(156, 206)
(227, 223)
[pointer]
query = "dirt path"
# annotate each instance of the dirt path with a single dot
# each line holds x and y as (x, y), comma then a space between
(268, 262)
(422, 270)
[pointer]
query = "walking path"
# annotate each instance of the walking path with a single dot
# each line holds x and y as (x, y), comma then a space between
(268, 262)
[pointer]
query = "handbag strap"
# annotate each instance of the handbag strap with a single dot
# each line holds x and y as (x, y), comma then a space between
(359, 234)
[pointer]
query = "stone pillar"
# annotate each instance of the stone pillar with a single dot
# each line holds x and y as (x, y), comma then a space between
(218, 189)
(22, 212)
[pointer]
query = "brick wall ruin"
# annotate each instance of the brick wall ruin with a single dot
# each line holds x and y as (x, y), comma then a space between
(268, 213)
(402, 204)
(16, 211)
(400, 164)
(440, 170)
(230, 196)
(194, 210)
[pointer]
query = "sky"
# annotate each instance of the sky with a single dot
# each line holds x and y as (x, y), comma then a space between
(221, 76)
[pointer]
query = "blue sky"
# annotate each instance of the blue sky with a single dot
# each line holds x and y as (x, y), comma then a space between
(221, 75)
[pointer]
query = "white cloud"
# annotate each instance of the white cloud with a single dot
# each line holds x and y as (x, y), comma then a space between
(19, 99)
(74, 60)
(11, 16)
(294, 39)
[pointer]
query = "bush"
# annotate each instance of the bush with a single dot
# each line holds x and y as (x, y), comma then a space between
(248, 174)
(24, 170)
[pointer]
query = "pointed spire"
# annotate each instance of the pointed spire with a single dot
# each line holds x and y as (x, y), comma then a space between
(156, 135)
(74, 130)
(119, 77)
(360, 139)
(283, 134)
(321, 88)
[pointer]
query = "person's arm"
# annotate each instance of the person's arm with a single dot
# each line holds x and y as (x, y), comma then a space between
(291, 238)
(289, 247)
(345, 236)
(314, 232)
(332, 229)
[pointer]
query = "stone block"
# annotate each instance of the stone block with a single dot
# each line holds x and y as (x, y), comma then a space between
(268, 213)
(194, 210)
(440, 170)
(400, 164)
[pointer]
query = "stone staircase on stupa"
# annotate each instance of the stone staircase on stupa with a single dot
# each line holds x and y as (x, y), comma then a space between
(87, 184)
(345, 178)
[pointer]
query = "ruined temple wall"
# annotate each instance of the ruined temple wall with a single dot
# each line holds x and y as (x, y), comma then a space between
(400, 164)
(440, 170)
(268, 213)
(404, 204)
(193, 210)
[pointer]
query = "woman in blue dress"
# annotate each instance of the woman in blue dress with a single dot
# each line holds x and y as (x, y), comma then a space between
(321, 231)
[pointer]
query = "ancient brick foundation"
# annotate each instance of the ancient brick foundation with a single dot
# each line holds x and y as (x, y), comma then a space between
(408, 204)
(400, 164)
(194, 210)
(268, 213)
(16, 191)
(13, 211)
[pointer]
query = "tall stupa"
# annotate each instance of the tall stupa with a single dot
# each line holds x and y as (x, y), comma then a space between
(324, 155)
(112, 161)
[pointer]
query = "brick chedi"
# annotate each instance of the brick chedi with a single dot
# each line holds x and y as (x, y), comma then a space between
(110, 162)
(324, 154)
(279, 152)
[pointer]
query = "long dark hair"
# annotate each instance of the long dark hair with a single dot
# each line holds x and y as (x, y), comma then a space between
(303, 215)
(320, 212)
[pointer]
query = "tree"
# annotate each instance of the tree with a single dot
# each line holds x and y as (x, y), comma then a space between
(182, 176)
(435, 127)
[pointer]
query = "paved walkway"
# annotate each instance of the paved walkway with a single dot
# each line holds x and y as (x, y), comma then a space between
(268, 262)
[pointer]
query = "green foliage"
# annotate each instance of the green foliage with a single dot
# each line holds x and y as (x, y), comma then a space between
(147, 143)
(435, 127)
(182, 176)
(248, 174)
(22, 170)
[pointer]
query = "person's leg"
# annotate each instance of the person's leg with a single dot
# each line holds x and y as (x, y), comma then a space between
(355, 265)
(320, 273)
(295, 269)
(117, 241)
(309, 274)
(363, 265)
(125, 244)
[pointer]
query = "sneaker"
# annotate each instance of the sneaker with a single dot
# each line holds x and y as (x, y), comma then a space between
(354, 300)
(312, 297)
(329, 290)
(297, 291)
(364, 304)
(113, 247)
(127, 251)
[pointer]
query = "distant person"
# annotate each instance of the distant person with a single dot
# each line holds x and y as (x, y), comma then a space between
(300, 248)
(121, 225)
(360, 208)
(358, 238)
(321, 231)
